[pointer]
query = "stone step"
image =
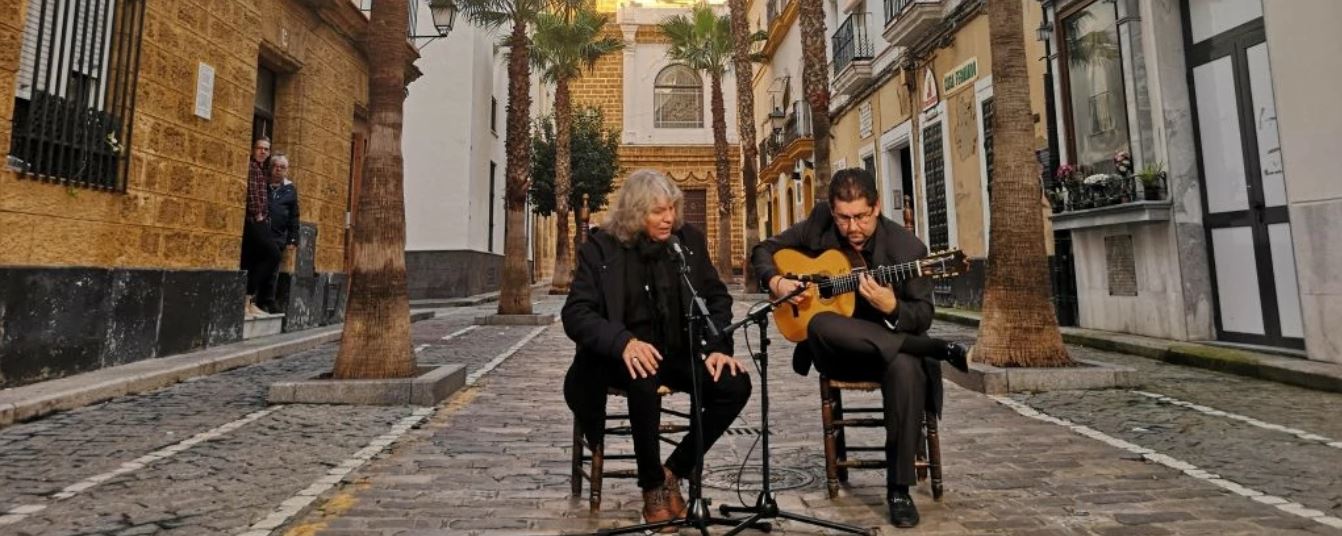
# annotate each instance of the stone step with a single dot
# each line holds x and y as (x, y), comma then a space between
(262, 325)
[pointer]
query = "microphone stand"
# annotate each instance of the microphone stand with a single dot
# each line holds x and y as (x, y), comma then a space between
(697, 513)
(766, 505)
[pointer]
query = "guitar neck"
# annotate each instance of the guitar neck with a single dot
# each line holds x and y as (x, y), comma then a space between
(885, 275)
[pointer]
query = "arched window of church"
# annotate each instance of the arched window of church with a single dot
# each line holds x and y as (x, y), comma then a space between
(678, 98)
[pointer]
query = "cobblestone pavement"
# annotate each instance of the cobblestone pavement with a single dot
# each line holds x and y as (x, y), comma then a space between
(495, 460)
(244, 469)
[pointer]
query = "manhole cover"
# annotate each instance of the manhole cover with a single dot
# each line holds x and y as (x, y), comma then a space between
(782, 478)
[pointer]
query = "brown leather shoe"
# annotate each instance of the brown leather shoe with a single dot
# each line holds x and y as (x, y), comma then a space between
(655, 507)
(675, 500)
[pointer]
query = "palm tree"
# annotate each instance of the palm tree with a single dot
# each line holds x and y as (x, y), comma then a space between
(703, 41)
(376, 339)
(563, 44)
(515, 295)
(1019, 327)
(745, 129)
(815, 86)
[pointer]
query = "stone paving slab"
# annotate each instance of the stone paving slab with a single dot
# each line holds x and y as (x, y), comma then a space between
(495, 460)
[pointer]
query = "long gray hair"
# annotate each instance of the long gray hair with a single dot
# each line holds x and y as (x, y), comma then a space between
(642, 189)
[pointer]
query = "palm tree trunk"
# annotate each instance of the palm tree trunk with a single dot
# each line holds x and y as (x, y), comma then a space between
(515, 296)
(815, 85)
(1019, 328)
(376, 338)
(745, 127)
(563, 272)
(724, 183)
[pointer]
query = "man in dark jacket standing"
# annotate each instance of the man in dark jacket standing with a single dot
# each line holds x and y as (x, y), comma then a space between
(866, 347)
(282, 202)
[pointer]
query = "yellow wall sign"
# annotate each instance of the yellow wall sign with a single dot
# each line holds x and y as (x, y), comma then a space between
(967, 72)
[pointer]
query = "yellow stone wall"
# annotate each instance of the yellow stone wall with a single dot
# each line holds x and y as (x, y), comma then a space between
(184, 198)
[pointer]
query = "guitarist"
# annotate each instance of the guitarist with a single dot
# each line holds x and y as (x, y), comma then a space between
(883, 340)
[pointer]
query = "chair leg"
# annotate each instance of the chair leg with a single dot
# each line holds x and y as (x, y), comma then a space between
(934, 455)
(598, 466)
(920, 456)
(575, 478)
(831, 443)
(840, 433)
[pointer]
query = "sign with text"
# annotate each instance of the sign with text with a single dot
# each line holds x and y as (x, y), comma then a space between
(967, 72)
(930, 97)
(204, 91)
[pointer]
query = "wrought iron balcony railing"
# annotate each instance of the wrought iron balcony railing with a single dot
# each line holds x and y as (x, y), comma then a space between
(851, 42)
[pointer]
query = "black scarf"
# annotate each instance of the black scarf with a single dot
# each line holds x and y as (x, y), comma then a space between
(655, 301)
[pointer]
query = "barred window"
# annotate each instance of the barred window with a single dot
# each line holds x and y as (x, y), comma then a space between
(75, 91)
(679, 98)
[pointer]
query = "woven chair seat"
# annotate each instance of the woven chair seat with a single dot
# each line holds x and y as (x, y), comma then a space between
(662, 390)
(857, 386)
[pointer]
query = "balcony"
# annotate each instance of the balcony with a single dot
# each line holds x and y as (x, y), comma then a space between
(1106, 199)
(780, 149)
(778, 17)
(852, 54)
(906, 21)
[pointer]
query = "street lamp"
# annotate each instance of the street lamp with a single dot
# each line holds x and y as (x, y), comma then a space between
(444, 13)
(1044, 33)
(777, 119)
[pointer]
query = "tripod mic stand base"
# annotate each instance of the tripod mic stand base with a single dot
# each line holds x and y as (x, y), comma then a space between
(766, 507)
(697, 516)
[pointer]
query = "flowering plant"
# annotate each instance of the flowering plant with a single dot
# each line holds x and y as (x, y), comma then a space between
(1066, 172)
(1097, 178)
(1123, 163)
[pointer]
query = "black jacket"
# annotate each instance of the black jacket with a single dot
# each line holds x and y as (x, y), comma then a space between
(891, 244)
(593, 317)
(283, 201)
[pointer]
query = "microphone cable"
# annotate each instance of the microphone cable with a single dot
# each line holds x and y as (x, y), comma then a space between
(741, 470)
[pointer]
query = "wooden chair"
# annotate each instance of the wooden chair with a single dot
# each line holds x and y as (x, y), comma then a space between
(835, 418)
(592, 467)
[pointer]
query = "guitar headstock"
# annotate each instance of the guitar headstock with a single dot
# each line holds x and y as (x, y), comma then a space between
(944, 264)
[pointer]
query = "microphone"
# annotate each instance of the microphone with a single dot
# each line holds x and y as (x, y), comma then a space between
(676, 250)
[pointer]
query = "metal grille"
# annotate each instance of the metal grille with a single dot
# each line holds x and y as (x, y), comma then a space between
(850, 42)
(934, 173)
(75, 97)
(895, 8)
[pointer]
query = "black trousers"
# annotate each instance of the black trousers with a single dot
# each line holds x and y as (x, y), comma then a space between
(260, 258)
(722, 401)
(852, 349)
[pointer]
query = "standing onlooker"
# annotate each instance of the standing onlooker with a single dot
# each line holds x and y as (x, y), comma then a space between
(283, 206)
(260, 257)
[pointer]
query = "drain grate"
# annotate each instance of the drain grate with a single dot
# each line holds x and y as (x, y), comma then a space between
(782, 478)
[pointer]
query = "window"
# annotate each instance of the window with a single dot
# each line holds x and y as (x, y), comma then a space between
(1097, 105)
(494, 115)
(75, 90)
(678, 98)
(263, 111)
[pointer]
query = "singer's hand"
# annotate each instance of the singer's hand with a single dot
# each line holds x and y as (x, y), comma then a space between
(782, 286)
(641, 359)
(718, 361)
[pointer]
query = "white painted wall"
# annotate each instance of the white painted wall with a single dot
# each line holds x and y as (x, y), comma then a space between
(1304, 47)
(448, 144)
(642, 62)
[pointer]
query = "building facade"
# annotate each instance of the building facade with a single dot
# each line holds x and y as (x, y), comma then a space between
(455, 116)
(128, 126)
(662, 111)
(1229, 247)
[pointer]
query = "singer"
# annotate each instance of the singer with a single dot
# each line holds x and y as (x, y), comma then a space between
(626, 310)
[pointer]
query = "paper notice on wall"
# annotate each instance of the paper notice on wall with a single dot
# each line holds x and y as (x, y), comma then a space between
(204, 91)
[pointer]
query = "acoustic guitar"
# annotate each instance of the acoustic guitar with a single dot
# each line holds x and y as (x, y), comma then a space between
(833, 282)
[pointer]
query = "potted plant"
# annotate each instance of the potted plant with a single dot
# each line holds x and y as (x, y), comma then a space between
(1152, 177)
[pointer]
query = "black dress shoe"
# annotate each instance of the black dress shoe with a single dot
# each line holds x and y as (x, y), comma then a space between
(957, 355)
(903, 513)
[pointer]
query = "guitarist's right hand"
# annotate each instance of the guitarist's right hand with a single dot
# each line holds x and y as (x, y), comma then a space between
(782, 286)
(641, 359)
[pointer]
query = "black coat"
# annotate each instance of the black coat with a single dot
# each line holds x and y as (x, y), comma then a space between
(891, 244)
(593, 317)
(283, 201)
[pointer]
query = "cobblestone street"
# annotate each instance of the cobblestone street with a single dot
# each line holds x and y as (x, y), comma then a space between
(210, 457)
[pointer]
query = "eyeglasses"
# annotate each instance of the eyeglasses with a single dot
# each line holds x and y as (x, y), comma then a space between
(847, 219)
